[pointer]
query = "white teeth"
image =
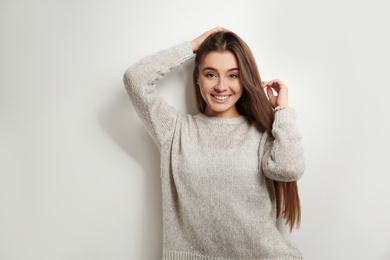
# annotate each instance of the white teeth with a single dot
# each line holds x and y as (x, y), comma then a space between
(221, 97)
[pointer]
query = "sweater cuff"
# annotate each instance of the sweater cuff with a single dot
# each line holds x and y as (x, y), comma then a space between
(286, 115)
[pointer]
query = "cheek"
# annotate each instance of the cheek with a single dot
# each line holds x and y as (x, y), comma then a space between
(238, 88)
(201, 88)
(203, 93)
(204, 86)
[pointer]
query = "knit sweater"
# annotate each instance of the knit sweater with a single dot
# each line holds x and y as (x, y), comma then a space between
(216, 173)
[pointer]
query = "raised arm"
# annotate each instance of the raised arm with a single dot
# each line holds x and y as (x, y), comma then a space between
(140, 81)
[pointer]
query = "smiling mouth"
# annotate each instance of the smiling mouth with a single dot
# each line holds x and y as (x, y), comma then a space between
(221, 98)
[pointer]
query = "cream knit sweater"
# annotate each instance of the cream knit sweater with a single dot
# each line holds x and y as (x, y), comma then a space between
(216, 173)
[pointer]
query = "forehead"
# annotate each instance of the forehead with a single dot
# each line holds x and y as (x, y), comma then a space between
(219, 60)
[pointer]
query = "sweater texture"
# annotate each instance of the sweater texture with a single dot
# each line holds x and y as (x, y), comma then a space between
(217, 173)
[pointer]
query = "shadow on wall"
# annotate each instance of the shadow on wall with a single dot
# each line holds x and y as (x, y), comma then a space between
(177, 88)
(120, 121)
(122, 124)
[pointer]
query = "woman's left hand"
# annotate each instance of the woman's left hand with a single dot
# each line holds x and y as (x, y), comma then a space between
(279, 100)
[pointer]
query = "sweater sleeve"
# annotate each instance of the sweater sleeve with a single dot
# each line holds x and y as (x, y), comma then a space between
(283, 157)
(140, 82)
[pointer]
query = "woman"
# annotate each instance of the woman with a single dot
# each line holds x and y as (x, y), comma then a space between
(229, 171)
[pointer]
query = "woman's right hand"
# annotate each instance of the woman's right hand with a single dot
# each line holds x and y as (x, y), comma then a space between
(195, 43)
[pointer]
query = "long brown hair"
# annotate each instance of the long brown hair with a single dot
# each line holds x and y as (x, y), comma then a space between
(255, 106)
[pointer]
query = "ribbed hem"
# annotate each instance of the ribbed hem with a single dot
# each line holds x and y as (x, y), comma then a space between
(181, 255)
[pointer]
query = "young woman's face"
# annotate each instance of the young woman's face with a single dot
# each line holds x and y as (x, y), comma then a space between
(220, 84)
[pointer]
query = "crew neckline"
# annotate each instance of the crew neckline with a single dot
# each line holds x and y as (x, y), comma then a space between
(221, 120)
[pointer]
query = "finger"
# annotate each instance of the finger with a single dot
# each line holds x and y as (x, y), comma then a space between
(214, 30)
(263, 84)
(206, 34)
(219, 29)
(270, 93)
(277, 83)
(273, 83)
(197, 42)
(273, 87)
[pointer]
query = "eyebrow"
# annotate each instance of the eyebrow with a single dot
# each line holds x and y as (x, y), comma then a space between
(211, 68)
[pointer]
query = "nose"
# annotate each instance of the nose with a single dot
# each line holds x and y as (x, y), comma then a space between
(221, 85)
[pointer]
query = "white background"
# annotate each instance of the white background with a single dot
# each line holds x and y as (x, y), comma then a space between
(79, 175)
